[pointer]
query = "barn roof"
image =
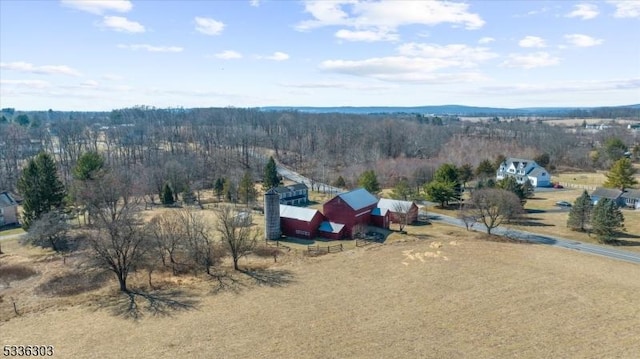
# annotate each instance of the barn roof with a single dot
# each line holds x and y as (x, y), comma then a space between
(610, 193)
(330, 227)
(394, 205)
(379, 211)
(6, 200)
(299, 213)
(358, 198)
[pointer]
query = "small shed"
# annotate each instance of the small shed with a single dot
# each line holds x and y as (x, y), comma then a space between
(396, 207)
(380, 217)
(331, 230)
(299, 222)
(8, 209)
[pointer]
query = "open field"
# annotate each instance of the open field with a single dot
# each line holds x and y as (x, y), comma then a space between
(449, 296)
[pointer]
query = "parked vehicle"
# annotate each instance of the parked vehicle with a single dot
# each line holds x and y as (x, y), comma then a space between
(563, 204)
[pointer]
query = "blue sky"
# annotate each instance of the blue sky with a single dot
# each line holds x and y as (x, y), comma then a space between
(101, 55)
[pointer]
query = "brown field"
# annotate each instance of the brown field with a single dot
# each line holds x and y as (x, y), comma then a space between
(447, 295)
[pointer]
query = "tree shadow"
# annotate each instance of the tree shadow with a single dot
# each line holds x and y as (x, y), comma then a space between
(625, 243)
(270, 278)
(226, 282)
(628, 235)
(135, 304)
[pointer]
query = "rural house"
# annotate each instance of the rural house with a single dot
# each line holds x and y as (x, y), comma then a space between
(631, 198)
(8, 210)
(613, 194)
(293, 195)
(395, 207)
(522, 170)
(351, 209)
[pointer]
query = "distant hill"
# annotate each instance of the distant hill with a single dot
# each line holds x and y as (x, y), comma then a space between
(459, 110)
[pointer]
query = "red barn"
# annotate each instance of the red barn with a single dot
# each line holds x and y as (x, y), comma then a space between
(380, 217)
(351, 209)
(299, 222)
(331, 230)
(396, 206)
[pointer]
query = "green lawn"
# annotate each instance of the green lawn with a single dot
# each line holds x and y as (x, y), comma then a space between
(9, 232)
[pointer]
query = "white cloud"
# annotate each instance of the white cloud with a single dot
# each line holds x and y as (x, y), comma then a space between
(228, 55)
(486, 40)
(151, 48)
(90, 84)
(564, 87)
(32, 84)
(277, 56)
(122, 24)
(385, 16)
(340, 85)
(456, 54)
(626, 8)
(530, 61)
(98, 7)
(254, 3)
(41, 70)
(366, 35)
(581, 40)
(209, 26)
(532, 41)
(584, 11)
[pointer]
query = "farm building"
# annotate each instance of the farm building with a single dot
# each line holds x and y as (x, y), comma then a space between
(299, 222)
(610, 193)
(397, 207)
(631, 198)
(380, 217)
(331, 230)
(351, 209)
(8, 209)
(293, 195)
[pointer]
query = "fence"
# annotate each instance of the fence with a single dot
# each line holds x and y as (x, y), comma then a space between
(279, 245)
(317, 250)
(575, 185)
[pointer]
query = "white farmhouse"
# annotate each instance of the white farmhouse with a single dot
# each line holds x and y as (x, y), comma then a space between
(522, 170)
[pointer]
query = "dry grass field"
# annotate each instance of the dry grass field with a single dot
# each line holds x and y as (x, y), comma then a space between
(449, 294)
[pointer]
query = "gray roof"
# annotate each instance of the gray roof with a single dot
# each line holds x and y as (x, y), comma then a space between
(299, 213)
(358, 198)
(330, 227)
(631, 193)
(394, 205)
(611, 193)
(290, 188)
(537, 171)
(298, 186)
(6, 200)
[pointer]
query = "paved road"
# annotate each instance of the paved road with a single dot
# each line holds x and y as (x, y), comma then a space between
(548, 240)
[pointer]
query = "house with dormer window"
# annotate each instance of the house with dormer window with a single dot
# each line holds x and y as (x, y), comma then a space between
(293, 195)
(523, 170)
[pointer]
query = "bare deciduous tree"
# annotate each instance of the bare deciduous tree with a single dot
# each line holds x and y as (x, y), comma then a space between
(237, 232)
(401, 210)
(493, 206)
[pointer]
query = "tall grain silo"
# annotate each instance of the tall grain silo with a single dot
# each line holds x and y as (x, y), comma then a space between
(272, 214)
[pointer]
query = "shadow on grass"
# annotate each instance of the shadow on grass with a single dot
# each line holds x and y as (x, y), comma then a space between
(625, 243)
(304, 242)
(628, 235)
(270, 278)
(225, 282)
(135, 304)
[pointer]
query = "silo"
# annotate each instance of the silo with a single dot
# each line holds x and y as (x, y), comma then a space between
(272, 215)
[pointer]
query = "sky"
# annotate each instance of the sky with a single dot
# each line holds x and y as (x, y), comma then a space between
(92, 55)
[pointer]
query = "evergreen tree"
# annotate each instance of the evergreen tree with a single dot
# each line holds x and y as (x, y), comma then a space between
(621, 175)
(402, 190)
(246, 190)
(167, 195)
(510, 184)
(606, 220)
(441, 192)
(88, 165)
(369, 181)
(218, 188)
(614, 148)
(465, 174)
(580, 214)
(40, 187)
(528, 189)
(271, 178)
(230, 192)
(340, 182)
(188, 197)
(485, 169)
